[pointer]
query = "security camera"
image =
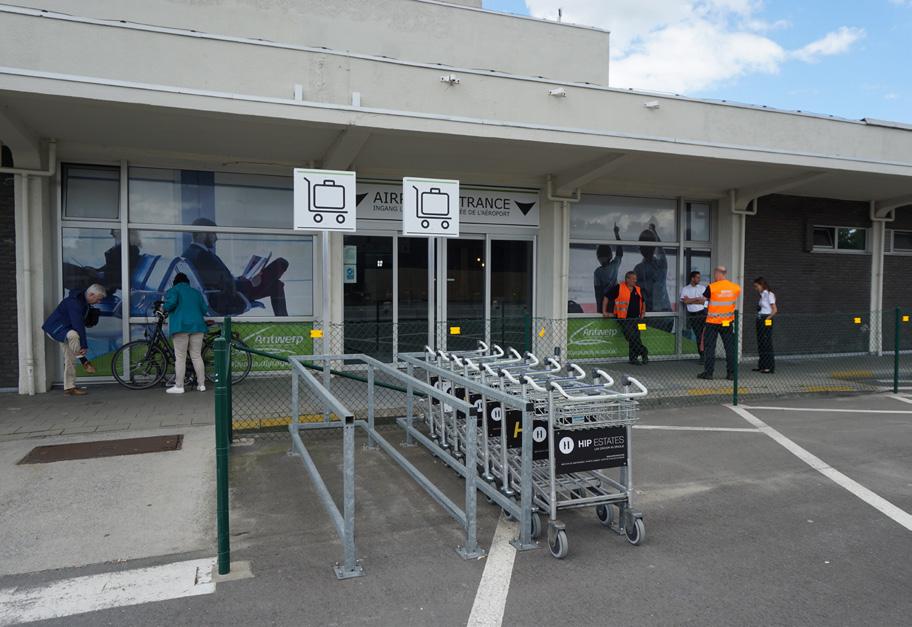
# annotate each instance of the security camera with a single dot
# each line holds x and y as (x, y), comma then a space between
(652, 104)
(558, 92)
(450, 79)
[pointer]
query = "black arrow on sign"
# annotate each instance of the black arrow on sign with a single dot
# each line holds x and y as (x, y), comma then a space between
(359, 198)
(525, 207)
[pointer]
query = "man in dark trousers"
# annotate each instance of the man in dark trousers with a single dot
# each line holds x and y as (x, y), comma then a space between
(629, 309)
(721, 301)
(224, 290)
(67, 325)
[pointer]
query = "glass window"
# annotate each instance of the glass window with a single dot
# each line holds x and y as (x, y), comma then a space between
(902, 241)
(413, 293)
(697, 217)
(160, 196)
(596, 268)
(93, 256)
(368, 295)
(91, 192)
(823, 237)
(240, 274)
(614, 218)
(851, 239)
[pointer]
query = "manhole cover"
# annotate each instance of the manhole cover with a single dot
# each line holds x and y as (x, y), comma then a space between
(103, 448)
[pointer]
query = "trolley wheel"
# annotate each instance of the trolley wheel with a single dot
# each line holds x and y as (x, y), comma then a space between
(318, 217)
(559, 545)
(536, 526)
(445, 224)
(340, 218)
(507, 515)
(636, 531)
(425, 224)
(605, 514)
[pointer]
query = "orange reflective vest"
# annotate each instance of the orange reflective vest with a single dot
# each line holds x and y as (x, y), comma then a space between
(622, 302)
(723, 297)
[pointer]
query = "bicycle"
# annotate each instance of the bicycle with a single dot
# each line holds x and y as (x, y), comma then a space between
(142, 364)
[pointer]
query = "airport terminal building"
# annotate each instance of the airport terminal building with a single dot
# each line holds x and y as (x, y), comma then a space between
(148, 138)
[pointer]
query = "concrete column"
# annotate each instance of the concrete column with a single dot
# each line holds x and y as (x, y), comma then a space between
(878, 245)
(552, 275)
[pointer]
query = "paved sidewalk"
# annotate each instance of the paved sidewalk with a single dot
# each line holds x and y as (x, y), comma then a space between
(106, 408)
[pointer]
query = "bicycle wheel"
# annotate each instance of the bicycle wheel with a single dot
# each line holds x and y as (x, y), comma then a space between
(241, 361)
(139, 365)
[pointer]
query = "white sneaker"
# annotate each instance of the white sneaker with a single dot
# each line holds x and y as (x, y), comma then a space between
(201, 388)
(175, 390)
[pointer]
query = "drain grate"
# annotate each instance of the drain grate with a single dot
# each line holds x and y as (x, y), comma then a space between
(103, 448)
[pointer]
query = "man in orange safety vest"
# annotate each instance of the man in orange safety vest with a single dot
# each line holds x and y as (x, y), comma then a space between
(721, 300)
(629, 309)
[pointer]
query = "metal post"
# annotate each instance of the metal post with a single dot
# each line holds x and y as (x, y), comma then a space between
(295, 398)
(471, 550)
(896, 352)
(350, 566)
(525, 483)
(327, 346)
(737, 358)
(370, 407)
(226, 332)
(221, 455)
(409, 407)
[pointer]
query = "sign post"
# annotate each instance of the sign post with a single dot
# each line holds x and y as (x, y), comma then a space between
(324, 200)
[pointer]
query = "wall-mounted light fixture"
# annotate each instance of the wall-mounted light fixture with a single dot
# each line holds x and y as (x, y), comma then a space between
(450, 79)
(558, 92)
(652, 105)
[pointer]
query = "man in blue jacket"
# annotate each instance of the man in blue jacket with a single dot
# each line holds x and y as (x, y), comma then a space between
(66, 324)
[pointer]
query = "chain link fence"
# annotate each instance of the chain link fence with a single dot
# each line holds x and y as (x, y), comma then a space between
(827, 353)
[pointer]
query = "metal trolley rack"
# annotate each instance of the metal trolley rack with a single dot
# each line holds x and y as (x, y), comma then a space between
(579, 431)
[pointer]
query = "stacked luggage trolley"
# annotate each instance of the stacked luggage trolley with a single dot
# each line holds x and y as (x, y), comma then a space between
(553, 446)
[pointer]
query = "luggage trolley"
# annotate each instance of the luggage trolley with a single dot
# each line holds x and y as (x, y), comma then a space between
(589, 432)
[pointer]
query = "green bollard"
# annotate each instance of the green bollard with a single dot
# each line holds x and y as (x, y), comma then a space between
(222, 419)
(226, 333)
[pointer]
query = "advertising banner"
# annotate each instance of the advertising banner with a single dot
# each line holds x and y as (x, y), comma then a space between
(590, 449)
(281, 339)
(602, 338)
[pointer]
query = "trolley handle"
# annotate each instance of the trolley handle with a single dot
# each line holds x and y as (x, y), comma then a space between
(483, 347)
(515, 353)
(628, 380)
(429, 352)
(498, 351)
(530, 381)
(555, 365)
(506, 373)
(580, 373)
(472, 365)
(489, 370)
(457, 360)
(598, 372)
(442, 354)
(589, 397)
(532, 358)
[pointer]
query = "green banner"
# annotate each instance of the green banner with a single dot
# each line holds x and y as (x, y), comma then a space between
(283, 339)
(602, 338)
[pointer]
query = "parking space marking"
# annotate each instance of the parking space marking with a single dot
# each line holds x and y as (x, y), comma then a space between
(901, 398)
(675, 428)
(830, 411)
(874, 500)
(491, 598)
(92, 593)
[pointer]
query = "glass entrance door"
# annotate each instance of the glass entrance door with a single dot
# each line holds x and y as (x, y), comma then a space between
(368, 296)
(465, 293)
(511, 293)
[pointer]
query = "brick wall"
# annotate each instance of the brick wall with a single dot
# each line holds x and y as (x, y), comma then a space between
(9, 356)
(898, 284)
(814, 291)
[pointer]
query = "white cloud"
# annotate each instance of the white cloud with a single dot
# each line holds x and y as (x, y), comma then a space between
(690, 45)
(902, 3)
(837, 42)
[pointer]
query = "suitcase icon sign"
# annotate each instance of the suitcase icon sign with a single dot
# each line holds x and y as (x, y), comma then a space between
(327, 197)
(433, 205)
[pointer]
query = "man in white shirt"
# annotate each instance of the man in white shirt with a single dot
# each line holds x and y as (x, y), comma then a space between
(692, 297)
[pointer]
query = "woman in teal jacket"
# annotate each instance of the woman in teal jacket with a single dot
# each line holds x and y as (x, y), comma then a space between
(187, 326)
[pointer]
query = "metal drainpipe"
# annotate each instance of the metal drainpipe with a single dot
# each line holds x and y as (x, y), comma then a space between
(742, 234)
(875, 342)
(24, 175)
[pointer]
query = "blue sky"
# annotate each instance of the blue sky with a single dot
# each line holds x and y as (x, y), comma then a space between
(839, 57)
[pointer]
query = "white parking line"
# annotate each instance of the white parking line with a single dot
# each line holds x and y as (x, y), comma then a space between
(92, 593)
(830, 411)
(491, 598)
(874, 500)
(901, 398)
(671, 428)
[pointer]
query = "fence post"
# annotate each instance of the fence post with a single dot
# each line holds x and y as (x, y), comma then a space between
(226, 330)
(222, 418)
(896, 352)
(737, 358)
